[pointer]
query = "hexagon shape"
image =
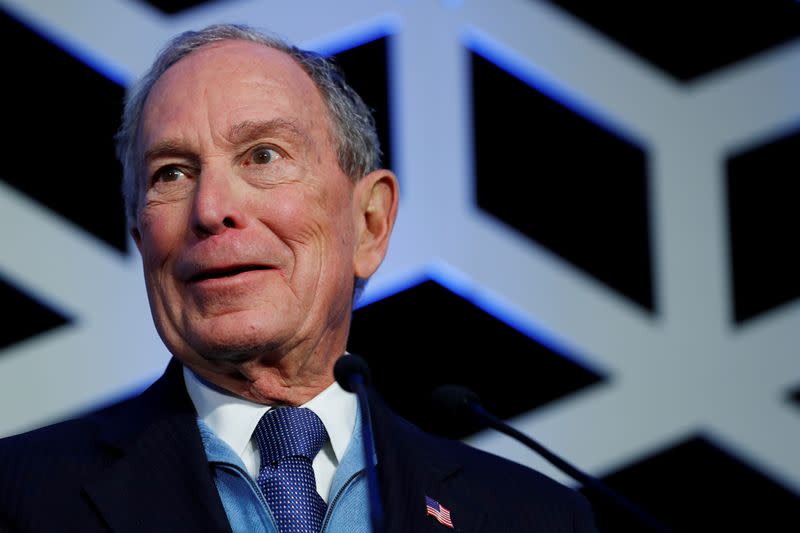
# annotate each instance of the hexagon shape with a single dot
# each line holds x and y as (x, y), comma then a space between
(366, 69)
(427, 336)
(688, 39)
(696, 485)
(27, 317)
(794, 396)
(65, 115)
(565, 181)
(174, 6)
(763, 221)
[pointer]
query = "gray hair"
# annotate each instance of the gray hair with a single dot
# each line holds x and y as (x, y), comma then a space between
(353, 127)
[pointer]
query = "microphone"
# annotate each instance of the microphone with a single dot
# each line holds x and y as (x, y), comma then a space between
(462, 404)
(350, 370)
(352, 374)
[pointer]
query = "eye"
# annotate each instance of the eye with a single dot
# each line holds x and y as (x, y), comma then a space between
(264, 154)
(168, 174)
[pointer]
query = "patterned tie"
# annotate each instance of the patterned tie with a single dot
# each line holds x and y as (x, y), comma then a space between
(288, 439)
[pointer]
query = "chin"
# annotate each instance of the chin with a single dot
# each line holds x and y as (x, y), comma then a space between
(235, 339)
(236, 349)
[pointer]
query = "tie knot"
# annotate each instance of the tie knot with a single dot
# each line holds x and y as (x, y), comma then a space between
(289, 431)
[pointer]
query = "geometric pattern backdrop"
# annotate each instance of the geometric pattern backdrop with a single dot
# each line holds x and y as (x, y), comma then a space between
(597, 227)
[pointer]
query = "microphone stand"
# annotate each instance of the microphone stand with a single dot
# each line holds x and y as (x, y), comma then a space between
(351, 372)
(586, 480)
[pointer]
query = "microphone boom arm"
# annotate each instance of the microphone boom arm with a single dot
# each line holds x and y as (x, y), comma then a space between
(581, 477)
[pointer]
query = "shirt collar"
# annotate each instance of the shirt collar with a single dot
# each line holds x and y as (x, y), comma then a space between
(233, 419)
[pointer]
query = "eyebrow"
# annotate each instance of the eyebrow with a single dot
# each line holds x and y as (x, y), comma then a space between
(250, 130)
(168, 149)
(242, 133)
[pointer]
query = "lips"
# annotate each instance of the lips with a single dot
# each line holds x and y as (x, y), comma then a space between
(225, 272)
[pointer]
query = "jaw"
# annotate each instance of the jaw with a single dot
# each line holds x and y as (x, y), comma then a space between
(286, 374)
(241, 354)
(248, 333)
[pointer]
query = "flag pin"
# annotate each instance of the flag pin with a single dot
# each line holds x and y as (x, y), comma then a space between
(438, 511)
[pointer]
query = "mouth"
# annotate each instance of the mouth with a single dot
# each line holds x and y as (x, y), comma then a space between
(226, 272)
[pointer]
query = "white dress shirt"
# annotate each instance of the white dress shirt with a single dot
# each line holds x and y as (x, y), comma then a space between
(233, 419)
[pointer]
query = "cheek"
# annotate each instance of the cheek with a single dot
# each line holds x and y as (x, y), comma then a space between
(292, 207)
(318, 230)
(297, 216)
(160, 234)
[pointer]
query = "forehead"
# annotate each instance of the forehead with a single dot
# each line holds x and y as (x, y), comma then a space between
(227, 83)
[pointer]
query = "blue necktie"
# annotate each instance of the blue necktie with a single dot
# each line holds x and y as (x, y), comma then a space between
(288, 440)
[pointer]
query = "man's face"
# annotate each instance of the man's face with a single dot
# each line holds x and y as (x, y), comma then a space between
(247, 225)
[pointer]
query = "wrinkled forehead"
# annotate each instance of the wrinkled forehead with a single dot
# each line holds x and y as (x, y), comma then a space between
(222, 84)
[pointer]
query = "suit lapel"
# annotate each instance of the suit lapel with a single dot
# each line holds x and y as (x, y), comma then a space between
(161, 480)
(412, 465)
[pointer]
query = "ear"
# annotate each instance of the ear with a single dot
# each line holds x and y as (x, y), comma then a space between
(375, 201)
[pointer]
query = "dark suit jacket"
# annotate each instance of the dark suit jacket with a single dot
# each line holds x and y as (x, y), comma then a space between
(140, 466)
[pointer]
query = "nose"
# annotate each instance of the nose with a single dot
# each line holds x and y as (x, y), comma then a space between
(216, 206)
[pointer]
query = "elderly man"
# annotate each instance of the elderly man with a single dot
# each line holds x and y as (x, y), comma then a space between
(255, 196)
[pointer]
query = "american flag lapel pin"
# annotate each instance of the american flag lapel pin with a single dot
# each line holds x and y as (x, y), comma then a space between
(438, 511)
